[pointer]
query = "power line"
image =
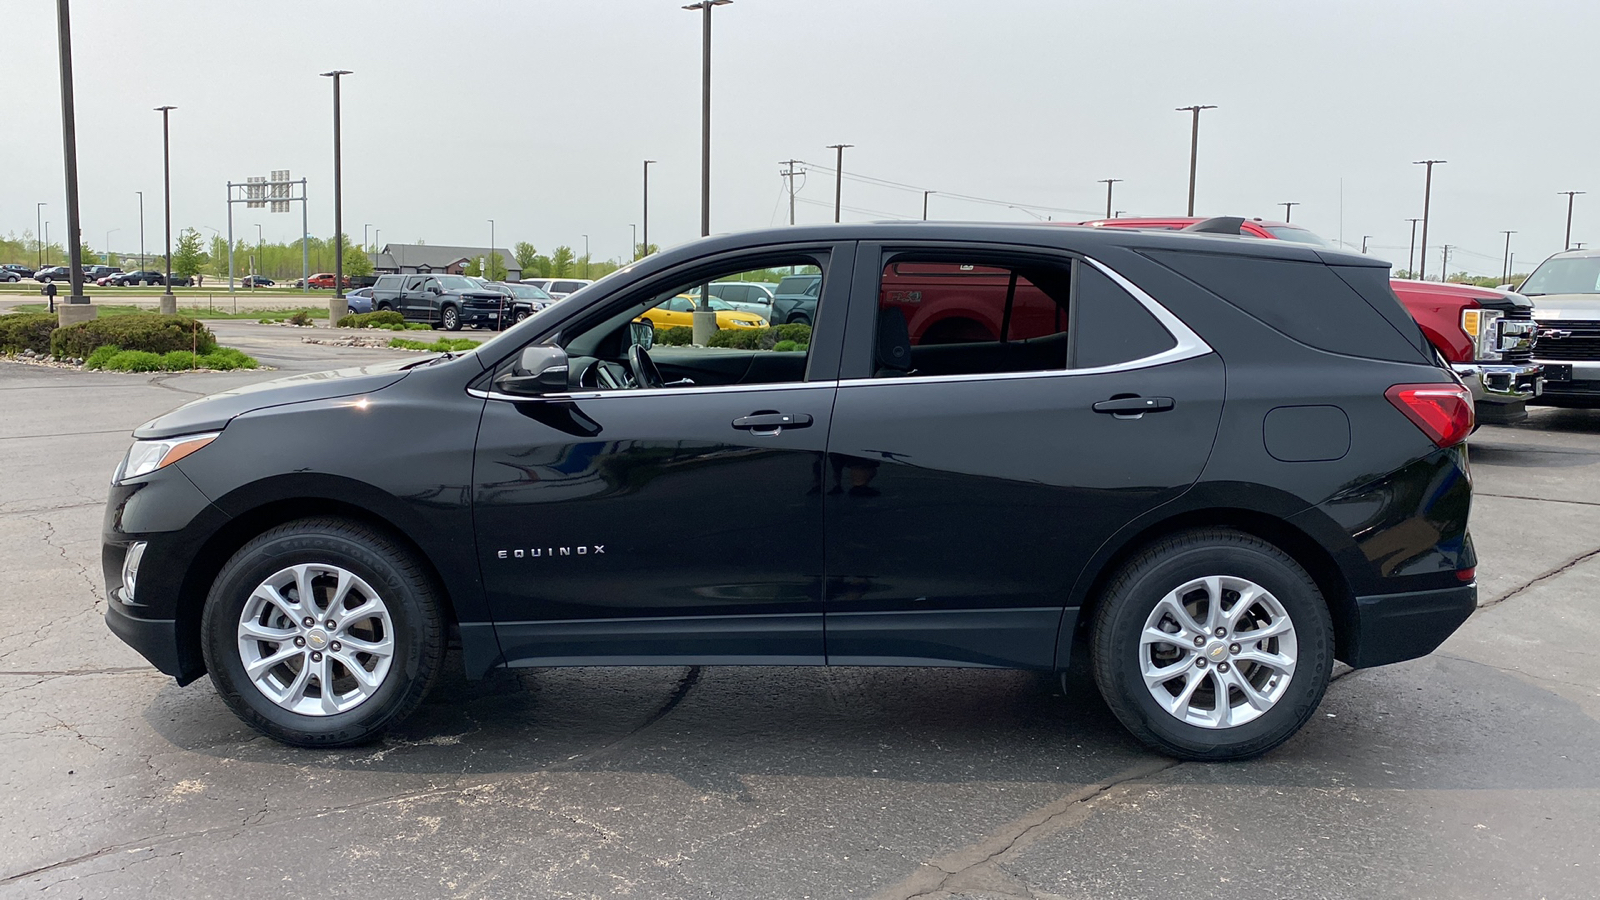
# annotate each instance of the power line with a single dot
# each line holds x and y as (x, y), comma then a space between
(899, 185)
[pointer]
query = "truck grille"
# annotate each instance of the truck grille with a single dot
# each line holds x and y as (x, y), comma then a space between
(1524, 356)
(1568, 339)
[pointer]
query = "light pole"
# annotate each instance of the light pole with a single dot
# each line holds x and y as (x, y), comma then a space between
(38, 230)
(646, 220)
(141, 228)
(635, 228)
(1364, 242)
(586, 250)
(1444, 266)
(261, 255)
(1566, 244)
(1108, 182)
(169, 303)
(1505, 265)
(1411, 255)
(706, 6)
(1288, 211)
(109, 233)
(364, 244)
(488, 262)
(47, 241)
(69, 151)
(338, 306)
(1194, 148)
(377, 240)
(1427, 199)
(838, 177)
(924, 206)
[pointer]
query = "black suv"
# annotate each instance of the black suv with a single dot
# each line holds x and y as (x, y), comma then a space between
(443, 301)
(1215, 465)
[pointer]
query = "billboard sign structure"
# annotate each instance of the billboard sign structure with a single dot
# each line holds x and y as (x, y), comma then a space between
(274, 194)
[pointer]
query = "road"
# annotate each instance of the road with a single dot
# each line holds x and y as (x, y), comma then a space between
(1470, 773)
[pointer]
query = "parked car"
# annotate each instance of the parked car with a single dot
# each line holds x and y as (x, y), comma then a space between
(558, 287)
(522, 300)
(445, 301)
(182, 281)
(21, 270)
(10, 275)
(141, 277)
(795, 299)
(95, 273)
(256, 281)
(324, 280)
(1215, 534)
(1565, 290)
(750, 296)
(678, 311)
(1485, 334)
(359, 300)
(52, 273)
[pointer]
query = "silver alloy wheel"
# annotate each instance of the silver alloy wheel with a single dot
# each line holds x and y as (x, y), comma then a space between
(316, 639)
(1217, 652)
(451, 317)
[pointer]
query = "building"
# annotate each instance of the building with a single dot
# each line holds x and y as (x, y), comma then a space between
(414, 258)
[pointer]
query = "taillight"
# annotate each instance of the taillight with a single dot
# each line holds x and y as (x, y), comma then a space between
(1442, 411)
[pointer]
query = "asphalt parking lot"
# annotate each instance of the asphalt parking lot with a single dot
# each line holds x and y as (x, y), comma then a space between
(1469, 773)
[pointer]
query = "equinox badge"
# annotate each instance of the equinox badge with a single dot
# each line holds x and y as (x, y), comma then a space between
(536, 552)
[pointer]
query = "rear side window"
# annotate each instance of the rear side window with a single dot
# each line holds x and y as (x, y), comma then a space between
(1113, 327)
(1307, 301)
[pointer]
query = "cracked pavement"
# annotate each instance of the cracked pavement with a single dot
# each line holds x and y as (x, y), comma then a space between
(1470, 773)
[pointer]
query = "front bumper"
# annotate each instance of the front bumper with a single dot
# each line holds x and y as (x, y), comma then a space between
(1392, 628)
(1497, 383)
(1570, 382)
(155, 639)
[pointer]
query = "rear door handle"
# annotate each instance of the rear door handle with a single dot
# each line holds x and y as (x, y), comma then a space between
(1133, 406)
(772, 422)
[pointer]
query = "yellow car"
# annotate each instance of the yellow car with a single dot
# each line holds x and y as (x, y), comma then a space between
(680, 311)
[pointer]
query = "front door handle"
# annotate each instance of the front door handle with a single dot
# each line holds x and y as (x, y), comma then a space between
(771, 422)
(1133, 406)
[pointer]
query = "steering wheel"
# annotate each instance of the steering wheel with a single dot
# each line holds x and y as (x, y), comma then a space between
(645, 373)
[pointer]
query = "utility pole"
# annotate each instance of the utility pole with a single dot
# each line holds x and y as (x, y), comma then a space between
(1194, 148)
(488, 263)
(925, 195)
(77, 302)
(646, 220)
(38, 228)
(635, 240)
(838, 178)
(586, 256)
(1411, 255)
(1444, 266)
(1566, 244)
(789, 175)
(1364, 242)
(1108, 182)
(1427, 198)
(141, 228)
(338, 306)
(1288, 211)
(1505, 265)
(169, 303)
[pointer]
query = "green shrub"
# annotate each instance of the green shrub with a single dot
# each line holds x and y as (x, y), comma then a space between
(177, 361)
(799, 332)
(738, 338)
(418, 326)
(226, 358)
(378, 319)
(26, 331)
(267, 321)
(301, 318)
(442, 345)
(676, 336)
(787, 346)
(135, 331)
(134, 361)
(98, 359)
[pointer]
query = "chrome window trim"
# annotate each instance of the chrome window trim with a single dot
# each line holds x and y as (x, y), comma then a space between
(657, 392)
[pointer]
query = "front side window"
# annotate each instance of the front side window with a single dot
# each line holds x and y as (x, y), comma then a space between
(414, 282)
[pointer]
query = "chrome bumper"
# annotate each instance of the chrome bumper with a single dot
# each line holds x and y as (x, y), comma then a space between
(1493, 383)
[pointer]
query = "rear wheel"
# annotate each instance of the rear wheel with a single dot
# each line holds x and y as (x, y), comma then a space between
(1213, 645)
(799, 319)
(322, 633)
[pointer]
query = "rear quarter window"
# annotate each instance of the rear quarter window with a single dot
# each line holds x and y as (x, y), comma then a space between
(1308, 301)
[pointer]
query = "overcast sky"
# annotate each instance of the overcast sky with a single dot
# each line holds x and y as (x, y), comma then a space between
(537, 114)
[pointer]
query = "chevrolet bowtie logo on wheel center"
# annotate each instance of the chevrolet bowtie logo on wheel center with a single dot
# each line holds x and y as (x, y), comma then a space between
(317, 639)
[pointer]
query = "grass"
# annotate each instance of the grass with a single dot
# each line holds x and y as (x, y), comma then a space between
(197, 312)
(442, 345)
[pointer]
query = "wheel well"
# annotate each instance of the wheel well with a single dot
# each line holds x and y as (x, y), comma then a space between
(1291, 540)
(239, 531)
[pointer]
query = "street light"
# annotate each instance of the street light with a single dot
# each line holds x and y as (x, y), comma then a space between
(261, 253)
(1288, 210)
(337, 307)
(169, 303)
(488, 262)
(838, 177)
(924, 205)
(635, 240)
(705, 6)
(1108, 182)
(1364, 242)
(1566, 244)
(109, 233)
(1427, 199)
(141, 228)
(586, 245)
(38, 230)
(1411, 255)
(69, 147)
(647, 164)
(1505, 266)
(1194, 148)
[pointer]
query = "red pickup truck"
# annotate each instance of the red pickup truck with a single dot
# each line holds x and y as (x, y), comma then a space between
(1485, 334)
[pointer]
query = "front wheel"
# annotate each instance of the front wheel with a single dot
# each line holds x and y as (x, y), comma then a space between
(1213, 645)
(322, 633)
(450, 318)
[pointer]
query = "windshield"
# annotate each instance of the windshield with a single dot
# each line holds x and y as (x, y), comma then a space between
(457, 283)
(527, 292)
(1297, 235)
(1564, 275)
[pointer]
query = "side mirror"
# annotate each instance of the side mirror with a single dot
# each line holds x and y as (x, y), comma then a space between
(642, 333)
(540, 370)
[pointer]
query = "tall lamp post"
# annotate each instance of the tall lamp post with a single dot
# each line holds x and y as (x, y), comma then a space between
(1427, 199)
(488, 262)
(1194, 148)
(1566, 244)
(141, 228)
(646, 221)
(1411, 255)
(586, 256)
(1108, 182)
(109, 233)
(169, 303)
(635, 234)
(38, 230)
(77, 302)
(1505, 265)
(838, 177)
(338, 306)
(1288, 210)
(705, 320)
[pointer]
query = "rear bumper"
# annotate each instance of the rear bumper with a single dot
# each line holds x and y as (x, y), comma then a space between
(1392, 628)
(1495, 383)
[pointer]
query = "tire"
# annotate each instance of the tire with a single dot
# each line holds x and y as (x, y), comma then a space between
(383, 307)
(410, 622)
(1191, 560)
(799, 319)
(519, 316)
(450, 318)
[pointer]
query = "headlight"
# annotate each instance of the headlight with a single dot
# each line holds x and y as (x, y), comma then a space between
(145, 457)
(1482, 326)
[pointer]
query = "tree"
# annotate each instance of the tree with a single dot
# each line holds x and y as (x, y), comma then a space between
(190, 257)
(640, 251)
(541, 267)
(561, 262)
(89, 257)
(497, 268)
(357, 264)
(525, 254)
(219, 255)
